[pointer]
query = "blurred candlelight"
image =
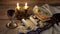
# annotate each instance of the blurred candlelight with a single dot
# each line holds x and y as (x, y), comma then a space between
(18, 7)
(26, 6)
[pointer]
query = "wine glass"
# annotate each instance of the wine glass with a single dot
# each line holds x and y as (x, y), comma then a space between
(11, 15)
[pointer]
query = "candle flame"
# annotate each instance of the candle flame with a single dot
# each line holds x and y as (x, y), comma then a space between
(26, 4)
(18, 7)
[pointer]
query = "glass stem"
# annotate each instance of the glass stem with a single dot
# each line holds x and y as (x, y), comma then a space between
(11, 19)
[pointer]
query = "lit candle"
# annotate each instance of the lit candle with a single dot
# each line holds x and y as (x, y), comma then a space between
(26, 6)
(18, 7)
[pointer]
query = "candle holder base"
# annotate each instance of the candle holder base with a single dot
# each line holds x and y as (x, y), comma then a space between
(22, 14)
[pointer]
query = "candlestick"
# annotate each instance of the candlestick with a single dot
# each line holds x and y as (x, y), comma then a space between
(19, 12)
(22, 12)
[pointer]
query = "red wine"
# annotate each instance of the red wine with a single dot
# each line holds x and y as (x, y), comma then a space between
(10, 12)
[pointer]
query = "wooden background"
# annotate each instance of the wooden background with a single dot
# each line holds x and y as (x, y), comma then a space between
(11, 4)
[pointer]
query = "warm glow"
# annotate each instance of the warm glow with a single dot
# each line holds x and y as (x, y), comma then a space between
(26, 4)
(18, 7)
(26, 7)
